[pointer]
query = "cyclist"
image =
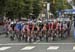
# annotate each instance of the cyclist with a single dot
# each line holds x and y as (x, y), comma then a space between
(53, 27)
(44, 31)
(24, 32)
(36, 32)
(18, 28)
(30, 28)
(40, 25)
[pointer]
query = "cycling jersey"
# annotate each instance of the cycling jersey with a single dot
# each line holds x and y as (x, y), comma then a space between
(12, 25)
(40, 26)
(35, 28)
(61, 28)
(18, 26)
(44, 27)
(49, 25)
(57, 26)
(30, 26)
(64, 26)
(24, 28)
(54, 26)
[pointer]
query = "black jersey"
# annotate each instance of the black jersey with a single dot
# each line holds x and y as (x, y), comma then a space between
(30, 26)
(41, 26)
(35, 28)
(13, 25)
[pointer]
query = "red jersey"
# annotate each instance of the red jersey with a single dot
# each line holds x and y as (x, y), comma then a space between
(45, 27)
(58, 26)
(31, 26)
(61, 26)
(49, 26)
(53, 27)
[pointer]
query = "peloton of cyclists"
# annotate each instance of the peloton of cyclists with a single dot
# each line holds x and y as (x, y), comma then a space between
(31, 31)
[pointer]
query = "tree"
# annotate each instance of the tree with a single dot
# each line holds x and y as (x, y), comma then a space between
(15, 8)
(37, 7)
(56, 5)
(18, 8)
(3, 7)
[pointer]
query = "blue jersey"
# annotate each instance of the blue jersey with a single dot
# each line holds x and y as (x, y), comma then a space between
(18, 26)
(22, 26)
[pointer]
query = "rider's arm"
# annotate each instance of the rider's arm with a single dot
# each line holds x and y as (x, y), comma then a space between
(38, 28)
(27, 28)
(33, 28)
(23, 29)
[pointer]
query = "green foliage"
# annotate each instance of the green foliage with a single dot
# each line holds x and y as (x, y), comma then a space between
(37, 7)
(18, 8)
(59, 5)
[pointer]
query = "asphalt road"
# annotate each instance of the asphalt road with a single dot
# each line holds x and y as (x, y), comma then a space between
(67, 45)
(40, 47)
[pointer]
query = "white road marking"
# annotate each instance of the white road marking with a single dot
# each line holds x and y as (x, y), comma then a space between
(55, 43)
(74, 48)
(53, 48)
(15, 44)
(28, 48)
(37, 43)
(4, 48)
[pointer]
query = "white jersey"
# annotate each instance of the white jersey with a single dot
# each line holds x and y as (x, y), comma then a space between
(65, 26)
(12, 22)
(23, 28)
